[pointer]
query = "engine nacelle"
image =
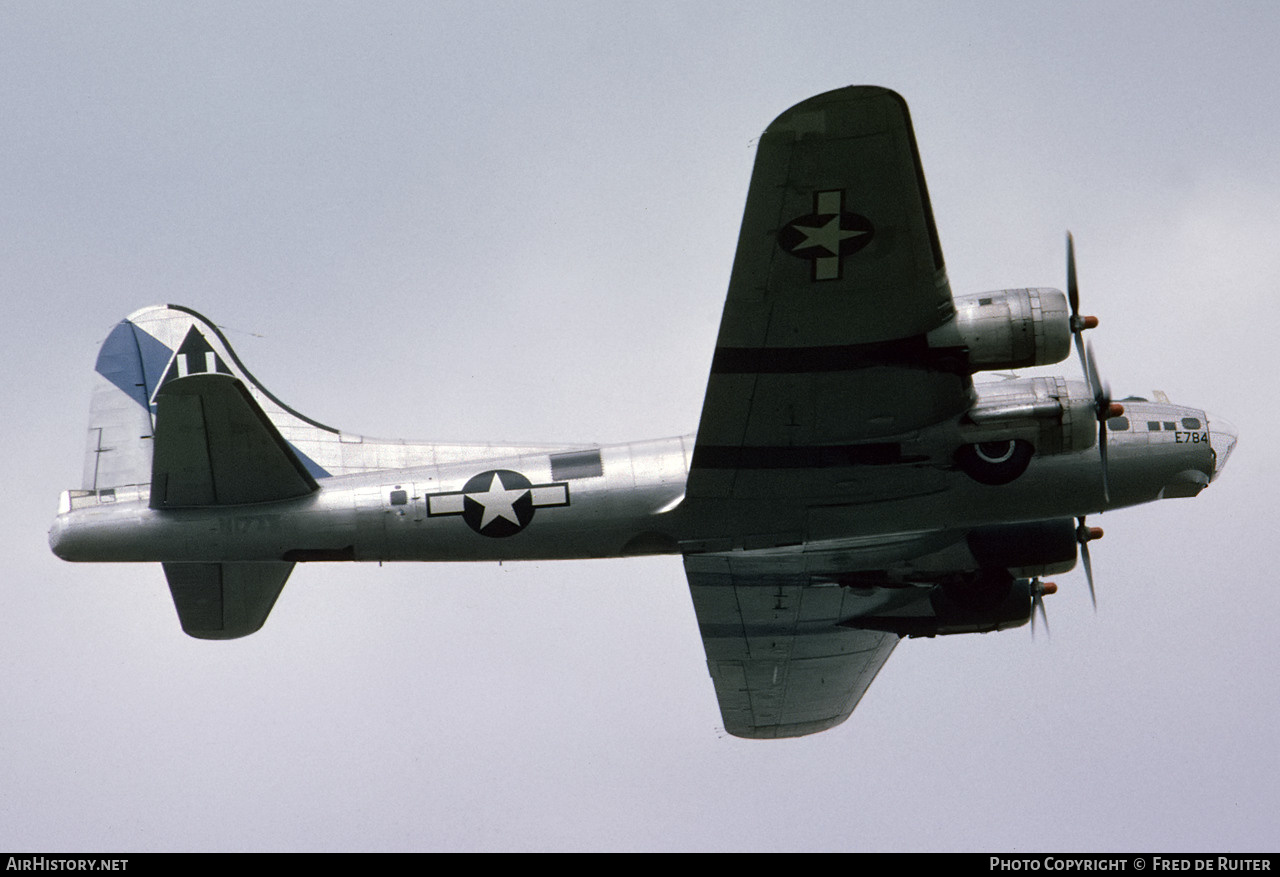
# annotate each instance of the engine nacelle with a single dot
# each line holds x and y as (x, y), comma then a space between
(1008, 328)
(1004, 602)
(1011, 421)
(1026, 549)
(1053, 414)
(997, 594)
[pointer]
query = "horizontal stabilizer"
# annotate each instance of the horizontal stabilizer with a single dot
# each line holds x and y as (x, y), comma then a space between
(215, 446)
(225, 600)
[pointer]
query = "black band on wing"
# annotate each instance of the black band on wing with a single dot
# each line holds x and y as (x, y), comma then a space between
(909, 353)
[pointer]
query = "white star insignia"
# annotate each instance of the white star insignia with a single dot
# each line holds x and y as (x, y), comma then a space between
(498, 502)
(827, 236)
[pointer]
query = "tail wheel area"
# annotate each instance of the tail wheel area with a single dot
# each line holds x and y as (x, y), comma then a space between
(995, 463)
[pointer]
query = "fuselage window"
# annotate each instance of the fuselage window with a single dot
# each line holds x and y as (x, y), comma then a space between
(1118, 424)
(576, 464)
(1153, 425)
(399, 497)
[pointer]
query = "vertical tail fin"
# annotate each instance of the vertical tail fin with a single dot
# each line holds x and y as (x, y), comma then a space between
(130, 366)
(143, 352)
(155, 345)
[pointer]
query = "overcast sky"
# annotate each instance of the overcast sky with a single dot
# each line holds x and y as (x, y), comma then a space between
(515, 221)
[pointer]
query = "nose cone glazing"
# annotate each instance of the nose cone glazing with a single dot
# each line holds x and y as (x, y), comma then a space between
(1222, 439)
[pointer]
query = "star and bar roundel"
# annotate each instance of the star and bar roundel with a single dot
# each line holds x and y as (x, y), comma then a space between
(827, 235)
(499, 502)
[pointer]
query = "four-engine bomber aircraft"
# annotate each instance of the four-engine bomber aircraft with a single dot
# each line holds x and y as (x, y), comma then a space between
(848, 484)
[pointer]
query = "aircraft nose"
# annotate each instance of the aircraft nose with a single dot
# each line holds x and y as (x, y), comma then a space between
(1222, 439)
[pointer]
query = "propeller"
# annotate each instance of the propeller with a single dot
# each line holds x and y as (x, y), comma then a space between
(1103, 406)
(1078, 323)
(1085, 535)
(1104, 409)
(1038, 590)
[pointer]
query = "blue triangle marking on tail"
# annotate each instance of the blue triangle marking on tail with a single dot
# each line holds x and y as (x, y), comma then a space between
(133, 361)
(316, 470)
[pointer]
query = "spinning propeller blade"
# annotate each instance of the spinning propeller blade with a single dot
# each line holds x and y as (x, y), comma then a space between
(1038, 590)
(1104, 408)
(1085, 535)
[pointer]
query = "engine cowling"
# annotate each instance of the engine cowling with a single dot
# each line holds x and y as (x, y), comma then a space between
(1055, 415)
(996, 593)
(1026, 549)
(943, 611)
(1009, 328)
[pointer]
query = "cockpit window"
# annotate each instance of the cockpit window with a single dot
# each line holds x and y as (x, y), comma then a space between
(1190, 423)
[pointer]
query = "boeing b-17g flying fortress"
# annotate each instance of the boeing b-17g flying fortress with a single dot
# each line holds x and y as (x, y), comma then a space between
(848, 484)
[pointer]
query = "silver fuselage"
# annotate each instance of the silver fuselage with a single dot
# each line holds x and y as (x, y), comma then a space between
(637, 505)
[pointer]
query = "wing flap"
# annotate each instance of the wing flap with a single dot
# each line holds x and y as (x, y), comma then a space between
(215, 446)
